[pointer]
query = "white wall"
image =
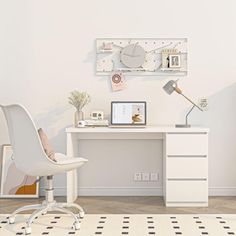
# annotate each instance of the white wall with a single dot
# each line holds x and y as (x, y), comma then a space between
(47, 50)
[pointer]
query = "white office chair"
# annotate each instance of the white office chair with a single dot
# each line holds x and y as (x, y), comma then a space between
(29, 157)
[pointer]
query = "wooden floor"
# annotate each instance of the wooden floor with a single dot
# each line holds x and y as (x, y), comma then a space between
(130, 205)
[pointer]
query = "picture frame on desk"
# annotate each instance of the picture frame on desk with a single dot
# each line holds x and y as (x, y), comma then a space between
(14, 183)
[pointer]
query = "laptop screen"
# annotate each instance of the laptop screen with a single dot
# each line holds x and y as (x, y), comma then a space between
(128, 113)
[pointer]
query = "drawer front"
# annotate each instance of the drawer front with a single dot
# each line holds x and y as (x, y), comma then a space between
(187, 191)
(186, 144)
(187, 167)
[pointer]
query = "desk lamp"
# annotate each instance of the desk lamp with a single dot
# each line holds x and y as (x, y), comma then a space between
(172, 86)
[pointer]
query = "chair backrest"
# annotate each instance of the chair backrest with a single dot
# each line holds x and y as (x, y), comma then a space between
(27, 148)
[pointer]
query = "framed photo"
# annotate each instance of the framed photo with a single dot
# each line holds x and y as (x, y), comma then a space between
(174, 61)
(15, 183)
(128, 113)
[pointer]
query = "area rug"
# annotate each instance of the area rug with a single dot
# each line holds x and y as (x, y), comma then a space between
(131, 225)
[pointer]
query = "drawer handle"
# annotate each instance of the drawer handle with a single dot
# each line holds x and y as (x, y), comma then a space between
(201, 133)
(186, 156)
(188, 179)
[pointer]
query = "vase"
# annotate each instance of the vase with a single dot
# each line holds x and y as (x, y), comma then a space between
(79, 115)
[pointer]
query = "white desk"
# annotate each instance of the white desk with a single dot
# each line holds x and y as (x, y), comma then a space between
(185, 158)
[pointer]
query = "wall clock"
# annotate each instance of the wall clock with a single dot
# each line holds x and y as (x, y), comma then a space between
(132, 55)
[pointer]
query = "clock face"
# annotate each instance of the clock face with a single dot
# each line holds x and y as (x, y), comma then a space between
(132, 56)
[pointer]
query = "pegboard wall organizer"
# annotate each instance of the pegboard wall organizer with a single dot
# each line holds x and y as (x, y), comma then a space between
(150, 56)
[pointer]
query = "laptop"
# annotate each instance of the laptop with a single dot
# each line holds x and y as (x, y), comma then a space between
(127, 114)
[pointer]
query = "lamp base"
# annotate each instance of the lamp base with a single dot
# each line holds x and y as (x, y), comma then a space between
(183, 126)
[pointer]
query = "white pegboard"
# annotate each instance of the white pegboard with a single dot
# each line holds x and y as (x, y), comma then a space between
(109, 50)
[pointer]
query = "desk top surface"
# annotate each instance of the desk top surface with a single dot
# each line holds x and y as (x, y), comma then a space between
(147, 129)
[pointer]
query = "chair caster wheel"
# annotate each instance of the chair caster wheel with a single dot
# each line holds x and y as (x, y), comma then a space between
(44, 213)
(76, 226)
(81, 214)
(11, 220)
(27, 230)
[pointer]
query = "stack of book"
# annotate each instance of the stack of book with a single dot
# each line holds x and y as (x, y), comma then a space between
(97, 123)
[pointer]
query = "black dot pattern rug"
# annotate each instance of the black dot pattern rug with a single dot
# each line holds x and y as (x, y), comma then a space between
(130, 225)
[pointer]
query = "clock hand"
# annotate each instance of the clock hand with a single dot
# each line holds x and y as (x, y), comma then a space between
(134, 47)
(129, 55)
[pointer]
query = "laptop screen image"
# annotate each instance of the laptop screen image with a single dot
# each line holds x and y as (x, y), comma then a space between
(128, 113)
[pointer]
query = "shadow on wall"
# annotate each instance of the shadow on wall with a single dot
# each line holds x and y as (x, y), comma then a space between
(221, 119)
(50, 121)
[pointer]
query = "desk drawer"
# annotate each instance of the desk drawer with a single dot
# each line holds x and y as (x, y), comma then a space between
(187, 167)
(187, 144)
(187, 191)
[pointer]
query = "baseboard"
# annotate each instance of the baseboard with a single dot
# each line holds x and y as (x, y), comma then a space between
(107, 191)
(133, 191)
(130, 191)
(222, 191)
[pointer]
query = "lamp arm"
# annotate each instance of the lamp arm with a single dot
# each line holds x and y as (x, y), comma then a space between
(186, 117)
(194, 104)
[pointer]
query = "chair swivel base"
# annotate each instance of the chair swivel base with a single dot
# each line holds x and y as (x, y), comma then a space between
(42, 209)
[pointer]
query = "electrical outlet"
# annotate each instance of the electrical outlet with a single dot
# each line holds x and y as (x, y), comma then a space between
(154, 177)
(145, 176)
(203, 103)
(138, 176)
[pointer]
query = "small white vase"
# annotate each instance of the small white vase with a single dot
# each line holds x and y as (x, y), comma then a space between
(79, 115)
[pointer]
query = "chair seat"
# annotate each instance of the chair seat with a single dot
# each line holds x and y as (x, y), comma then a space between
(63, 159)
(62, 164)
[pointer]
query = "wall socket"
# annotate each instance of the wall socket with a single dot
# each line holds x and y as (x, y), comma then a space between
(138, 176)
(154, 177)
(146, 177)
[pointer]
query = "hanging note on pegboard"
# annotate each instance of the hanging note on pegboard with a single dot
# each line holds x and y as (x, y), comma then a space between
(117, 81)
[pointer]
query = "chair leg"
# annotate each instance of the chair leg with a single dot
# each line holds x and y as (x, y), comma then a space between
(32, 217)
(74, 205)
(24, 208)
(76, 224)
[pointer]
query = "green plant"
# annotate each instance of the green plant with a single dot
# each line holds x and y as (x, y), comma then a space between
(79, 99)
